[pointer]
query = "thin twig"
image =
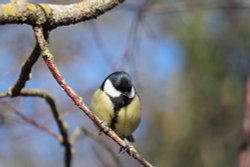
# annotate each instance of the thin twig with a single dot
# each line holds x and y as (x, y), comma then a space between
(101, 45)
(79, 131)
(132, 39)
(63, 113)
(58, 118)
(49, 60)
(64, 139)
(31, 121)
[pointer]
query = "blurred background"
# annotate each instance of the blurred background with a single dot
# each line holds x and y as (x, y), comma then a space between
(189, 61)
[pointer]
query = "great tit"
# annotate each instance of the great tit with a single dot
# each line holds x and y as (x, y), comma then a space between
(117, 103)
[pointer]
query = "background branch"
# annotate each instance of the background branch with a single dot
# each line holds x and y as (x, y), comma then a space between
(161, 8)
(31, 121)
(64, 139)
(58, 118)
(82, 131)
(25, 73)
(101, 45)
(244, 159)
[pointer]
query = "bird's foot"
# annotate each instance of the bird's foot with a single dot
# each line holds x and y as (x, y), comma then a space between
(129, 147)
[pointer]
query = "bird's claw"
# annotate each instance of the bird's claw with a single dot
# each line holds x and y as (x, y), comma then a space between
(129, 147)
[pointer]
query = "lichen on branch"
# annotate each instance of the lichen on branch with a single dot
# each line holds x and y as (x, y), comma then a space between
(52, 15)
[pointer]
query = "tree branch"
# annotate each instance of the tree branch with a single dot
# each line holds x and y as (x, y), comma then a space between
(25, 74)
(57, 116)
(32, 121)
(49, 60)
(51, 15)
(64, 139)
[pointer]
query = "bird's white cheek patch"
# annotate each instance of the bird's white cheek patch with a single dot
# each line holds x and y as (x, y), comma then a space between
(110, 89)
(132, 93)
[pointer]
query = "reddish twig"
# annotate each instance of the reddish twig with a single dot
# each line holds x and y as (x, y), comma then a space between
(64, 113)
(49, 60)
(31, 121)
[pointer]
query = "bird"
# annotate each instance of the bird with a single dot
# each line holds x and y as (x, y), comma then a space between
(117, 103)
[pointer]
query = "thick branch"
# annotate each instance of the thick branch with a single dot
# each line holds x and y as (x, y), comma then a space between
(51, 15)
(49, 60)
(25, 74)
(23, 12)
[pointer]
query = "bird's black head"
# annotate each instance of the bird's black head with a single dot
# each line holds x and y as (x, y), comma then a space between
(118, 83)
(121, 81)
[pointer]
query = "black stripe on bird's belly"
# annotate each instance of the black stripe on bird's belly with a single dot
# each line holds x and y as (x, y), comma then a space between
(118, 103)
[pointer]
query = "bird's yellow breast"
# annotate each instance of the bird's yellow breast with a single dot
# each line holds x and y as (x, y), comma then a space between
(128, 117)
(102, 106)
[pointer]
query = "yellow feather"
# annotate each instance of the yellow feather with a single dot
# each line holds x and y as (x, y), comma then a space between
(102, 106)
(128, 117)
